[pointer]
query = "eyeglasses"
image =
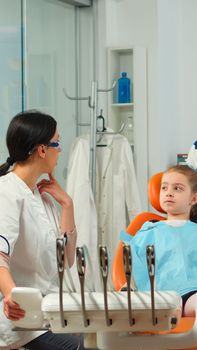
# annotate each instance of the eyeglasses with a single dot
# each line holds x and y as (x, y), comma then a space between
(55, 144)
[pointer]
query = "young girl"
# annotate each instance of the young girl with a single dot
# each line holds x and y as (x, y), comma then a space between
(174, 239)
(29, 225)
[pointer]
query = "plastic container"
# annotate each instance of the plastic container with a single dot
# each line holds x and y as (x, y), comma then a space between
(124, 92)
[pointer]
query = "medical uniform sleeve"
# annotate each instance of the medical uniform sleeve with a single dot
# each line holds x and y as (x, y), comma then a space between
(9, 222)
(54, 218)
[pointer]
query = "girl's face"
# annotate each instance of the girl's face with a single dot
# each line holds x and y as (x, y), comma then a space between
(176, 197)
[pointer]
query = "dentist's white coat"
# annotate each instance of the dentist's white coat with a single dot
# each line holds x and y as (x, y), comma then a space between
(29, 223)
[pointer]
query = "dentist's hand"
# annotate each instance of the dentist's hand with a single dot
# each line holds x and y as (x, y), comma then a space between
(52, 187)
(12, 310)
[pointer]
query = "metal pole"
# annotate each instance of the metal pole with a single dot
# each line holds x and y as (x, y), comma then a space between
(92, 165)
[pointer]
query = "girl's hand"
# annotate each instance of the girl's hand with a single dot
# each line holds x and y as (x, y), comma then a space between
(12, 310)
(52, 187)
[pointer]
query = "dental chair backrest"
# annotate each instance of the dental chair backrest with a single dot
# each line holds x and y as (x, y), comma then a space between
(118, 275)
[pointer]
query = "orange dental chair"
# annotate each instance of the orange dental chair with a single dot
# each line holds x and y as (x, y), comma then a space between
(187, 324)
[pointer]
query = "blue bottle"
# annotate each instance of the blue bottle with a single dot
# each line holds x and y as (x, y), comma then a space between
(124, 95)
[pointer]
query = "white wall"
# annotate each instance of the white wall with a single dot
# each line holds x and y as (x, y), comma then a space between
(188, 75)
(177, 48)
(168, 30)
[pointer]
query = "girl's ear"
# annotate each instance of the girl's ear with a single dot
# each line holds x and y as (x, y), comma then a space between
(41, 151)
(194, 199)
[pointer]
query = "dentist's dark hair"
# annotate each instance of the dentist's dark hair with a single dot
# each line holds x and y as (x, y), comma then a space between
(25, 131)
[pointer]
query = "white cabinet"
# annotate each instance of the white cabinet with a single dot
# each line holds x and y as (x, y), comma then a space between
(134, 115)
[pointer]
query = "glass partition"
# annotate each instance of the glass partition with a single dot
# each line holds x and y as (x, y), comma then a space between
(49, 55)
(41, 44)
(10, 66)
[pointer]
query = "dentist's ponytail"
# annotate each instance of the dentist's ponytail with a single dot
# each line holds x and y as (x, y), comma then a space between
(5, 167)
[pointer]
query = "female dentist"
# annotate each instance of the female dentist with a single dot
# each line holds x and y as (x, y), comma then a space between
(30, 224)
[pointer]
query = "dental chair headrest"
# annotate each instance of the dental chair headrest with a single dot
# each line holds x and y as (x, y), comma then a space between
(154, 190)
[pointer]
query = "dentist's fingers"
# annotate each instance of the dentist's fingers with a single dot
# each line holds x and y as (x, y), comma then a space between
(51, 177)
(11, 309)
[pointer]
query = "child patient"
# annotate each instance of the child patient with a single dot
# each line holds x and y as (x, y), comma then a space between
(174, 239)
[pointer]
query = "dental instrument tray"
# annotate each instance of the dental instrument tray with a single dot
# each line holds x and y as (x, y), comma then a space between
(167, 311)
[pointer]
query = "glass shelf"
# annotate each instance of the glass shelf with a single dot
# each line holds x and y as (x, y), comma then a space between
(122, 104)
